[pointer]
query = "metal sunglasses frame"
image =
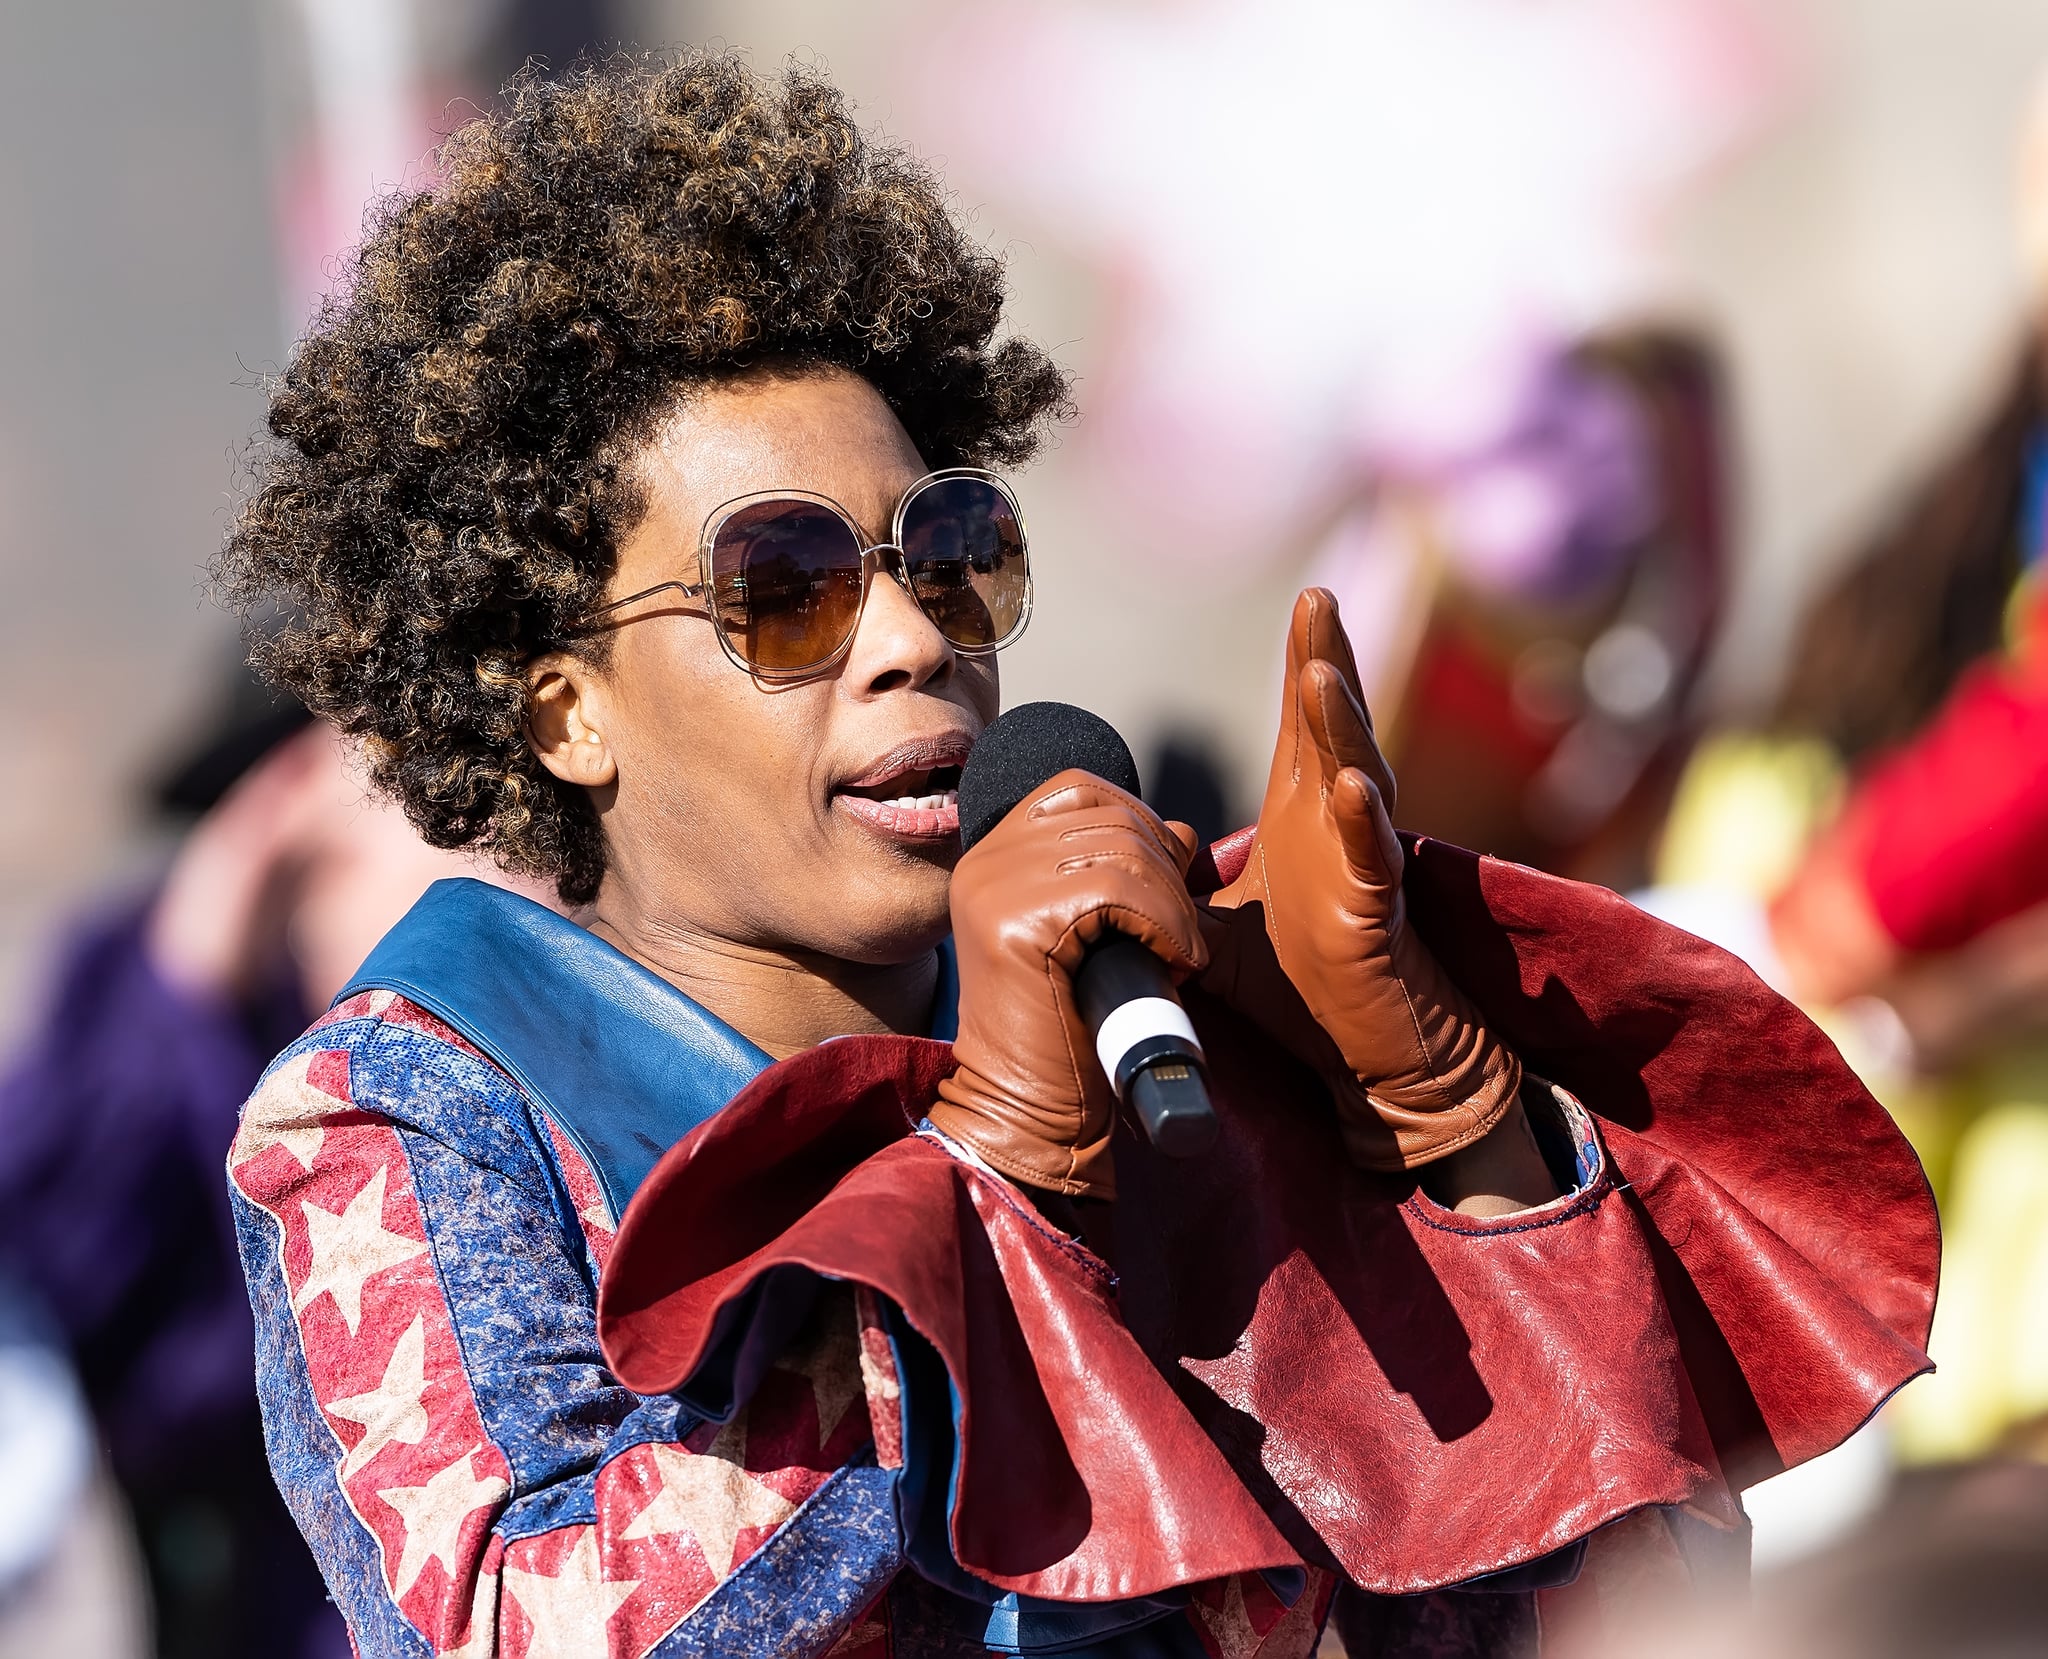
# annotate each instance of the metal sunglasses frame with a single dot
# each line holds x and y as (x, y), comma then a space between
(870, 561)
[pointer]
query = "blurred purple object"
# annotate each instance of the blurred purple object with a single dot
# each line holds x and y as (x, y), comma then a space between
(1552, 510)
(115, 1118)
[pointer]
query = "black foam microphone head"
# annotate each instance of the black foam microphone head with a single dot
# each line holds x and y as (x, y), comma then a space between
(1034, 742)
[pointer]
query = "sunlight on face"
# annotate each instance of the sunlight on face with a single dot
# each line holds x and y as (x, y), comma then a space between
(741, 808)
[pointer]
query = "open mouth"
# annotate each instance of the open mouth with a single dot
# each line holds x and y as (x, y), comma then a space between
(912, 796)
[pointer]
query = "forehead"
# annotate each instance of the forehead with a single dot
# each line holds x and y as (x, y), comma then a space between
(827, 431)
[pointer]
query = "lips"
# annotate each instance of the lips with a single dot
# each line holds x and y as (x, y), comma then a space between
(911, 793)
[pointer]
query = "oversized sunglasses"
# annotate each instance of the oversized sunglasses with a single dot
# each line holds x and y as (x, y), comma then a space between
(784, 574)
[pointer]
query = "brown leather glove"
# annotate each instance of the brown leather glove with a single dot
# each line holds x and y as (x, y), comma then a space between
(1075, 860)
(1312, 941)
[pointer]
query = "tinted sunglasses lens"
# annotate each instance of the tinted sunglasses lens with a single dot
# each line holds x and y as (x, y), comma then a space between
(785, 583)
(963, 551)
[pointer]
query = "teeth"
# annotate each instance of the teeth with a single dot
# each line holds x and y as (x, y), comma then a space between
(926, 803)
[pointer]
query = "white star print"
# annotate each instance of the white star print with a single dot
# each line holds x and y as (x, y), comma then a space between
(286, 1112)
(433, 1516)
(1296, 1625)
(570, 1610)
(392, 1410)
(483, 1622)
(878, 1379)
(710, 1495)
(1231, 1624)
(350, 1248)
(832, 1362)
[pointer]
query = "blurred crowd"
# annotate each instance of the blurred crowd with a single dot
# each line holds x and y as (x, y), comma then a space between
(1537, 598)
(124, 1321)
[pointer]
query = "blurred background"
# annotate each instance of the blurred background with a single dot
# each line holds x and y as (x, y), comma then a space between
(1658, 382)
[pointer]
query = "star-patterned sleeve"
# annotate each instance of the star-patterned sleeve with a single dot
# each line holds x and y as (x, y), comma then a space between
(422, 1247)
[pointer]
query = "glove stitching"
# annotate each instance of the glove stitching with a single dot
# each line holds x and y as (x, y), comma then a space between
(1056, 980)
(1324, 791)
(1272, 915)
(1435, 1081)
(1481, 1127)
(1188, 957)
(1108, 855)
(1066, 1184)
(1129, 821)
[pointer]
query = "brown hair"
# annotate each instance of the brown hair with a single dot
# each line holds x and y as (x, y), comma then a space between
(1880, 648)
(444, 492)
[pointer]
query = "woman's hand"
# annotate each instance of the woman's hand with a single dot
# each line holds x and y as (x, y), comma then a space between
(1312, 941)
(219, 930)
(1075, 860)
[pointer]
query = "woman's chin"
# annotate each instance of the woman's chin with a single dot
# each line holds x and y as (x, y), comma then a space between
(898, 913)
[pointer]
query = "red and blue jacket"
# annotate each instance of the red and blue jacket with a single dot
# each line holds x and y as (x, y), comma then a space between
(427, 1187)
(425, 1212)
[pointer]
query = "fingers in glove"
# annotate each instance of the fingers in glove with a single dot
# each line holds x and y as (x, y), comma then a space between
(1120, 867)
(1340, 730)
(1287, 756)
(1075, 791)
(1315, 634)
(1326, 640)
(1064, 820)
(1366, 832)
(1123, 883)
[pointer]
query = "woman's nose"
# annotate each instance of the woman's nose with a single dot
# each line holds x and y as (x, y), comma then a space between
(895, 645)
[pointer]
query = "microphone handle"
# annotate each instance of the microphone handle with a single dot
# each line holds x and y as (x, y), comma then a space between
(1147, 1047)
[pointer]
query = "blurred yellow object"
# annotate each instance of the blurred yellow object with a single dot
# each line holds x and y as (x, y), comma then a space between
(1744, 812)
(1990, 1338)
(2022, 615)
(1982, 1136)
(1742, 817)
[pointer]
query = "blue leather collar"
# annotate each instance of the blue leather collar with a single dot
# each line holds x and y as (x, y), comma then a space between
(618, 1057)
(623, 1062)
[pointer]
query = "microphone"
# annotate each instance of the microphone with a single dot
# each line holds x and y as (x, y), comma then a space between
(1148, 1048)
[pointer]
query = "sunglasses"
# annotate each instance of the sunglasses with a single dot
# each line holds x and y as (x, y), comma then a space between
(784, 574)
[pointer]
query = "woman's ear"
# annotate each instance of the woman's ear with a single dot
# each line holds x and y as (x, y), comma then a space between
(564, 722)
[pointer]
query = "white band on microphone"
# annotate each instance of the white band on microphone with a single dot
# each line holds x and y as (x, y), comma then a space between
(1132, 1022)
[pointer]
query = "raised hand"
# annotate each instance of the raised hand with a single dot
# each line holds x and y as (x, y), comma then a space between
(1312, 940)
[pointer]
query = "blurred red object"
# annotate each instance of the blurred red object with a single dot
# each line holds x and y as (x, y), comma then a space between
(1950, 832)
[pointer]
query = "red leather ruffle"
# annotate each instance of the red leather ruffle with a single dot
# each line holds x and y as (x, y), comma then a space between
(1302, 1354)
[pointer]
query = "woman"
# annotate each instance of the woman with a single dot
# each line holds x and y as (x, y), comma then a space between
(574, 509)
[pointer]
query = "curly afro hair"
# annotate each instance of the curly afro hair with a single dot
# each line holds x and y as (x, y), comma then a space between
(445, 489)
